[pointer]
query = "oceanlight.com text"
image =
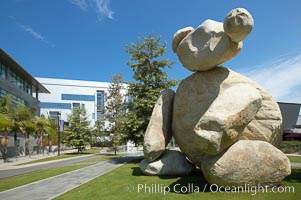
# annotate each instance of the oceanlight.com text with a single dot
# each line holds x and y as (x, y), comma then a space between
(213, 188)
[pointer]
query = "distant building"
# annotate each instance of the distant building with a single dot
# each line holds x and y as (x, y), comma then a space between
(299, 121)
(291, 120)
(15, 80)
(24, 88)
(68, 94)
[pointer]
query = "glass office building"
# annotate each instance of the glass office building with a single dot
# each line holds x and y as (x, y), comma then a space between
(23, 88)
(15, 80)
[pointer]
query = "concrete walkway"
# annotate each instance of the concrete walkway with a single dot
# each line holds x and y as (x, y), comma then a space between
(57, 185)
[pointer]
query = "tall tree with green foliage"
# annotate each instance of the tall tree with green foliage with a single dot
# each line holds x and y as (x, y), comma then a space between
(5, 125)
(11, 111)
(98, 133)
(114, 111)
(78, 133)
(45, 127)
(27, 123)
(151, 79)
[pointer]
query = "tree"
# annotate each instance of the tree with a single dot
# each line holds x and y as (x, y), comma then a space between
(9, 109)
(78, 133)
(27, 123)
(150, 80)
(114, 111)
(5, 125)
(98, 132)
(45, 127)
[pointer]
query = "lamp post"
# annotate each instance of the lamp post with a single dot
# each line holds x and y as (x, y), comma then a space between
(58, 134)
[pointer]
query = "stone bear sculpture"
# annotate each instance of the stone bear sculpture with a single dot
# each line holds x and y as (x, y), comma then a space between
(224, 123)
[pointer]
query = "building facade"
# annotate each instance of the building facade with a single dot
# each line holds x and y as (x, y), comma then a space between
(15, 80)
(23, 88)
(68, 94)
(291, 120)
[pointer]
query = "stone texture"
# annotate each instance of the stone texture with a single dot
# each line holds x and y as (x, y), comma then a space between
(206, 47)
(238, 24)
(179, 36)
(226, 117)
(158, 132)
(170, 163)
(199, 93)
(247, 162)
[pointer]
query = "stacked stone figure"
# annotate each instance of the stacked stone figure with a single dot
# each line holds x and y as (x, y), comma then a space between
(223, 122)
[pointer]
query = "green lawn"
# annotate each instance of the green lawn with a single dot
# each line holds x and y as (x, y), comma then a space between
(27, 178)
(123, 183)
(295, 159)
(63, 156)
(103, 158)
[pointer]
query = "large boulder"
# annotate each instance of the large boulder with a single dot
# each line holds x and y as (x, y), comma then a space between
(158, 132)
(226, 117)
(170, 163)
(213, 109)
(253, 163)
(206, 47)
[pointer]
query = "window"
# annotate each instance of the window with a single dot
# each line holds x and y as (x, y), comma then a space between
(3, 71)
(2, 93)
(55, 105)
(53, 115)
(78, 97)
(28, 89)
(13, 77)
(100, 105)
(75, 106)
(20, 83)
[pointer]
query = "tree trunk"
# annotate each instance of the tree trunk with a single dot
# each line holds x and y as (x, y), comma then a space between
(16, 146)
(27, 144)
(4, 143)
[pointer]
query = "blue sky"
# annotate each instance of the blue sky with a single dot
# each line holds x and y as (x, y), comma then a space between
(85, 39)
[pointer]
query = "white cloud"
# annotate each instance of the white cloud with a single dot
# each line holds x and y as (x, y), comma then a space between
(35, 34)
(281, 77)
(101, 7)
(32, 32)
(82, 4)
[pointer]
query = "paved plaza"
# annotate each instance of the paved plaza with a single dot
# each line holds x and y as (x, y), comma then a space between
(52, 187)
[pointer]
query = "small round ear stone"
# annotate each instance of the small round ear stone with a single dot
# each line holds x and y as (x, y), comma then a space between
(179, 36)
(238, 24)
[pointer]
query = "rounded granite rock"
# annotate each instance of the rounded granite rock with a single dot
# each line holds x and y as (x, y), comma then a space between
(170, 163)
(238, 24)
(247, 162)
(213, 109)
(206, 47)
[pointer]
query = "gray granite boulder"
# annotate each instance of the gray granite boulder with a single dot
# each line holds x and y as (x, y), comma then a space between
(238, 24)
(246, 162)
(213, 109)
(158, 132)
(170, 163)
(206, 47)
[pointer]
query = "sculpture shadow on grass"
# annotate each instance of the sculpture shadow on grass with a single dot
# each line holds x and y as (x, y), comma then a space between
(124, 159)
(194, 182)
(295, 176)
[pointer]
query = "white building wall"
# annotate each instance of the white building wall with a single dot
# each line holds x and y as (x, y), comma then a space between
(60, 87)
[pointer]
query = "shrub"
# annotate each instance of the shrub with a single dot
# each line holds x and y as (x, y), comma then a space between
(290, 146)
